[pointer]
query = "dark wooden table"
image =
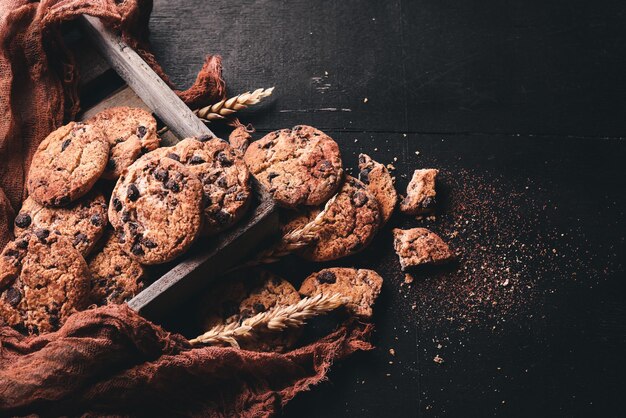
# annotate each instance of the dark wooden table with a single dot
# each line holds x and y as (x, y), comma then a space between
(522, 106)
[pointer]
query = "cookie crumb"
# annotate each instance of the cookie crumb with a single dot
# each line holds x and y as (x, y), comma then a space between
(365, 100)
(408, 279)
(392, 352)
(438, 359)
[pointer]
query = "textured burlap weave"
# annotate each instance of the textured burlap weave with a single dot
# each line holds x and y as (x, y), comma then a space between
(110, 360)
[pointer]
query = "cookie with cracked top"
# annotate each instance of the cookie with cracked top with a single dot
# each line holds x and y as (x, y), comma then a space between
(419, 246)
(224, 176)
(115, 277)
(360, 286)
(299, 166)
(82, 222)
(420, 194)
(156, 209)
(379, 181)
(130, 131)
(244, 294)
(67, 164)
(43, 280)
(346, 228)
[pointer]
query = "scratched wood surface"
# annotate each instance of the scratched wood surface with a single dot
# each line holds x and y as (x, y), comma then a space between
(520, 104)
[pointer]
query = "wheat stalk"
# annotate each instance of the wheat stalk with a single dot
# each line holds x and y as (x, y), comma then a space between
(293, 240)
(226, 107)
(276, 319)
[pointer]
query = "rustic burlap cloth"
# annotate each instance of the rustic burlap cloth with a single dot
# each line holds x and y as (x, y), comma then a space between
(110, 360)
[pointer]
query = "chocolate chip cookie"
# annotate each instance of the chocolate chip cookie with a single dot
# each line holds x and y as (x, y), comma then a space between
(361, 286)
(156, 209)
(299, 166)
(348, 225)
(43, 280)
(82, 222)
(420, 194)
(115, 277)
(67, 164)
(243, 295)
(378, 181)
(224, 176)
(420, 246)
(130, 131)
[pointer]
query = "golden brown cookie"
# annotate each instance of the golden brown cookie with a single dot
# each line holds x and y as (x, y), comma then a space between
(420, 246)
(43, 280)
(67, 164)
(347, 227)
(378, 181)
(224, 176)
(360, 286)
(243, 295)
(299, 166)
(130, 131)
(156, 209)
(82, 222)
(115, 277)
(420, 194)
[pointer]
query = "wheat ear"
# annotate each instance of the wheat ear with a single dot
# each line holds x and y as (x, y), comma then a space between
(226, 107)
(275, 320)
(293, 240)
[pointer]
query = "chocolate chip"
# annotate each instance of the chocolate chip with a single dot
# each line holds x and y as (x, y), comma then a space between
(96, 220)
(222, 182)
(141, 131)
(173, 156)
(147, 242)
(121, 237)
(196, 160)
(78, 238)
(125, 216)
(54, 320)
(22, 244)
(241, 196)
(42, 234)
(161, 174)
(23, 220)
(259, 307)
(173, 186)
(111, 164)
(359, 199)
(271, 176)
(65, 144)
(222, 217)
(63, 200)
(364, 175)
(11, 253)
(223, 159)
(137, 250)
(118, 140)
(204, 138)
(325, 166)
(117, 205)
(132, 192)
(133, 227)
(13, 296)
(327, 277)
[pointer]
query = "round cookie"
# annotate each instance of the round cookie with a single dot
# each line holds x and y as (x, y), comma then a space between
(378, 181)
(43, 280)
(347, 227)
(245, 295)
(156, 209)
(82, 222)
(67, 164)
(130, 131)
(224, 176)
(115, 277)
(360, 286)
(299, 166)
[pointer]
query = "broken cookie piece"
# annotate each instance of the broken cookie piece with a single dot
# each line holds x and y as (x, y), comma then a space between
(240, 137)
(378, 181)
(361, 286)
(420, 246)
(420, 194)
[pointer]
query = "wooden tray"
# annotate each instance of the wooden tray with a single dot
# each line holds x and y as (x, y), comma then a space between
(114, 75)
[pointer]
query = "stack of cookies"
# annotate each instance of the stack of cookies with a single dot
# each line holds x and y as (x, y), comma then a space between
(77, 245)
